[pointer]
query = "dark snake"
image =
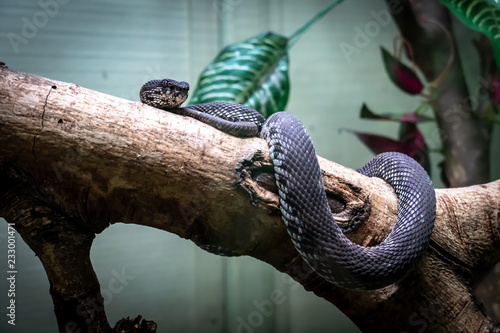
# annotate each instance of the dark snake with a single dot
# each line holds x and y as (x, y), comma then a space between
(303, 202)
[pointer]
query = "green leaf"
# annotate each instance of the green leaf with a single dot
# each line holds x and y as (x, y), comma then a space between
(297, 34)
(253, 72)
(479, 15)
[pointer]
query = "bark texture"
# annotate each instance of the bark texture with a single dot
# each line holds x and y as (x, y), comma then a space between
(75, 161)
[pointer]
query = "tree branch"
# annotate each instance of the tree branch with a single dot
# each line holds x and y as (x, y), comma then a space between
(95, 159)
(464, 133)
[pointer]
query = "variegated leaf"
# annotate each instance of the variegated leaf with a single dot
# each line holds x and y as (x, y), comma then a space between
(253, 72)
(479, 15)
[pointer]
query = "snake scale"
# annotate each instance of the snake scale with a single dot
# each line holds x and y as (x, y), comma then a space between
(303, 202)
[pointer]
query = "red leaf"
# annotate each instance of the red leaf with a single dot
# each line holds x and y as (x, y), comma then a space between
(411, 117)
(409, 134)
(379, 144)
(411, 143)
(369, 114)
(414, 141)
(400, 74)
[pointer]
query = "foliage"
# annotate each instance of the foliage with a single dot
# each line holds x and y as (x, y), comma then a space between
(479, 15)
(401, 75)
(410, 141)
(253, 72)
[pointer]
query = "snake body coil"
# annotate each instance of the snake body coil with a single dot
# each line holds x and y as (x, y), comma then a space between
(303, 202)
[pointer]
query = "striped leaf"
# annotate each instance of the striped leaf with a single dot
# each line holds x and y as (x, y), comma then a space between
(253, 72)
(479, 15)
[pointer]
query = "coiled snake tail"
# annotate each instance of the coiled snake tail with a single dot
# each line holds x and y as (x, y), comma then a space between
(310, 223)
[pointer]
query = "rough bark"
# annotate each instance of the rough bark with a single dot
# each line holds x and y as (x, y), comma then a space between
(75, 160)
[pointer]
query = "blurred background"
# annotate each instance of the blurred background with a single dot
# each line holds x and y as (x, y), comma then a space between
(116, 46)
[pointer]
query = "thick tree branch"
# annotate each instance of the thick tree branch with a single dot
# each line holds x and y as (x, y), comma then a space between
(95, 159)
(64, 251)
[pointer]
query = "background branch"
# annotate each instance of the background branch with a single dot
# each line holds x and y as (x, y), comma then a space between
(464, 132)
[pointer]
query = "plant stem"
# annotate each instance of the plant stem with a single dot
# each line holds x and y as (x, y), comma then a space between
(297, 34)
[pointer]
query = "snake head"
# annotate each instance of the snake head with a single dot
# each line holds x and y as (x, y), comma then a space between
(164, 94)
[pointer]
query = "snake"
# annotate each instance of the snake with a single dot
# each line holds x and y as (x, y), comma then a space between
(302, 198)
